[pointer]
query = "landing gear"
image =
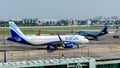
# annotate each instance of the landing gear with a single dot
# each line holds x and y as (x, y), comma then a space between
(55, 47)
(96, 38)
(78, 46)
(48, 47)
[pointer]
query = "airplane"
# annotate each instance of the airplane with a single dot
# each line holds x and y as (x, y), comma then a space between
(94, 33)
(66, 41)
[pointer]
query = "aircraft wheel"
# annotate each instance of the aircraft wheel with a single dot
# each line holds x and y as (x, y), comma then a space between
(55, 47)
(48, 47)
(78, 46)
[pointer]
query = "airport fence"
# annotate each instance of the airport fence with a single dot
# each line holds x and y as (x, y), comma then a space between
(29, 55)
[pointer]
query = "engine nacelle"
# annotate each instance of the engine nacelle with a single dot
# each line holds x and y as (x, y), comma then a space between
(68, 45)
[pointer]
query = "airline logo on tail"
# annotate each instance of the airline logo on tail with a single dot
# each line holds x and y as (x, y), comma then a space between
(17, 35)
(104, 29)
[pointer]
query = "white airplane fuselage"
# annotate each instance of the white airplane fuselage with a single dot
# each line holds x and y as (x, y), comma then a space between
(38, 40)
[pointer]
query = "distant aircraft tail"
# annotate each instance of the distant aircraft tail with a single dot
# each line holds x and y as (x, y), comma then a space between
(104, 29)
(16, 33)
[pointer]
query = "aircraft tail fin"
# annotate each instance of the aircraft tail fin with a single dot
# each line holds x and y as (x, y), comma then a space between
(104, 29)
(16, 33)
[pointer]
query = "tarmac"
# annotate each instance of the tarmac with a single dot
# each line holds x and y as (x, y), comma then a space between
(105, 46)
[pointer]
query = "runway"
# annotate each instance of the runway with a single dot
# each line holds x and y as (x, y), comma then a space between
(106, 46)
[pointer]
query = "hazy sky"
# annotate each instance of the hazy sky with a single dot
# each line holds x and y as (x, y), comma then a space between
(58, 9)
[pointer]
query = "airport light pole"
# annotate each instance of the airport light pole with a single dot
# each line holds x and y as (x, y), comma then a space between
(88, 53)
(5, 43)
(5, 35)
(4, 56)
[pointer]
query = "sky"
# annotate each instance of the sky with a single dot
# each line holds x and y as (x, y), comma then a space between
(58, 9)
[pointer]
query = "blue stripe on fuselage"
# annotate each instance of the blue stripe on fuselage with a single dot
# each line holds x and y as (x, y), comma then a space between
(55, 42)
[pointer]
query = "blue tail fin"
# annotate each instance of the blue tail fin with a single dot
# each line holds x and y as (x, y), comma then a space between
(16, 34)
(104, 29)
